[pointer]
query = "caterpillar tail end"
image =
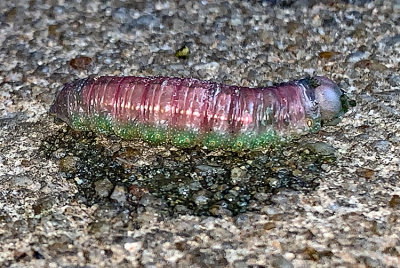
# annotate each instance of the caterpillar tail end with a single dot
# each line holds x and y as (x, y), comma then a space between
(53, 111)
(62, 105)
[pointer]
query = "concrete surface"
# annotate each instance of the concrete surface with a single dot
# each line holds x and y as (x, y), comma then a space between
(350, 220)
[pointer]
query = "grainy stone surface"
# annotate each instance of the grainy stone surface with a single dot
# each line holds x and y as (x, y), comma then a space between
(49, 218)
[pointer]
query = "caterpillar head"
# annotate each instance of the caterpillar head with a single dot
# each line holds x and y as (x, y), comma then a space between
(333, 102)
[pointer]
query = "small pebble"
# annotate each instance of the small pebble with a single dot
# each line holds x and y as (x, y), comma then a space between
(121, 15)
(238, 175)
(394, 80)
(357, 56)
(327, 54)
(365, 172)
(145, 21)
(280, 262)
(200, 198)
(382, 146)
(320, 148)
(68, 163)
(119, 194)
(103, 187)
(395, 201)
(371, 65)
(391, 41)
(211, 66)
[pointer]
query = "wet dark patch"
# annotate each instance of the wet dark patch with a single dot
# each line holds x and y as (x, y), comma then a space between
(173, 182)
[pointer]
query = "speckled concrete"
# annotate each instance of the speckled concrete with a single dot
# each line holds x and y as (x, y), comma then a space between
(350, 220)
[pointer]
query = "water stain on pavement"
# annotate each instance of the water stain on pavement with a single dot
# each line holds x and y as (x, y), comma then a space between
(194, 182)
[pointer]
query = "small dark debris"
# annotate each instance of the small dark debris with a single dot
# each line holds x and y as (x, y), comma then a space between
(365, 173)
(327, 54)
(37, 255)
(80, 63)
(395, 201)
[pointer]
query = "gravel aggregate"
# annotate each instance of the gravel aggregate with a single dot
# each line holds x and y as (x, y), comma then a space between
(76, 199)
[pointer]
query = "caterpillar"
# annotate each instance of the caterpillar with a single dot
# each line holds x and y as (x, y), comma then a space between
(187, 111)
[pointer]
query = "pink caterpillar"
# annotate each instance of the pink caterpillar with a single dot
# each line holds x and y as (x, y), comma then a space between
(189, 111)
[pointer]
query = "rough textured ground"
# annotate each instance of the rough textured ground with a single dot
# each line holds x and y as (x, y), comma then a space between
(50, 213)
